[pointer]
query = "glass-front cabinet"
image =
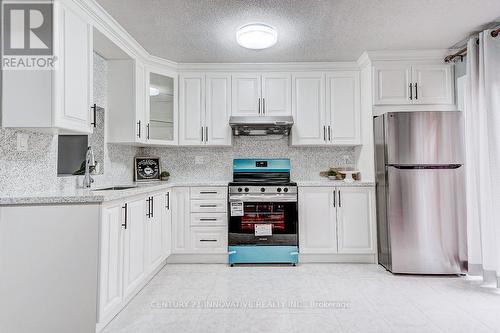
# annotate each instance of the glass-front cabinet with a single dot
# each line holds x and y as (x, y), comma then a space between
(161, 107)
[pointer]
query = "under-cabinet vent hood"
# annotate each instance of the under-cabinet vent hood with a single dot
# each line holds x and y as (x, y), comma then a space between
(246, 125)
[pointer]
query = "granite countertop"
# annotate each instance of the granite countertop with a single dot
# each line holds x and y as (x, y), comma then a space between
(335, 183)
(94, 195)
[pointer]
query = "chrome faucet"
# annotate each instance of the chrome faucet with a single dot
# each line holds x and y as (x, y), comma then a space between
(89, 162)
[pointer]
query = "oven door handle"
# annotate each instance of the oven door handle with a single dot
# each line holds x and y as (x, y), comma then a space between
(263, 198)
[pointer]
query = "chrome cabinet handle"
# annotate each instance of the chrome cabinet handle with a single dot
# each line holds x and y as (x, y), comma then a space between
(329, 133)
(416, 90)
(202, 134)
(139, 129)
(148, 131)
(324, 133)
(208, 219)
(206, 133)
(263, 106)
(334, 198)
(411, 91)
(208, 206)
(208, 240)
(340, 202)
(124, 225)
(94, 123)
(208, 192)
(259, 106)
(167, 200)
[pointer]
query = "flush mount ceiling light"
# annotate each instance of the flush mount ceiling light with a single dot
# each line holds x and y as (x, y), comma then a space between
(256, 36)
(154, 91)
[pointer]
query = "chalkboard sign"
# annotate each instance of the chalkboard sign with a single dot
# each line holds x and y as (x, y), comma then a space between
(147, 169)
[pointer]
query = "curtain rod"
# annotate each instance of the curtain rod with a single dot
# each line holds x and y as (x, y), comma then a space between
(463, 51)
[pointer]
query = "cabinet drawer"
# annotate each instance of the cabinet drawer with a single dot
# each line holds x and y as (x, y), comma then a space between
(209, 239)
(208, 219)
(209, 193)
(208, 206)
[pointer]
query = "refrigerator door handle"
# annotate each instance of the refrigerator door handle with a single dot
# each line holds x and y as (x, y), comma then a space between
(425, 166)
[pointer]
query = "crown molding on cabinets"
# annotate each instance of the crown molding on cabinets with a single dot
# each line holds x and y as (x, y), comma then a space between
(267, 67)
(403, 55)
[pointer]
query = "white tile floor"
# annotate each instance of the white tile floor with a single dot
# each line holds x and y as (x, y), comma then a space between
(357, 298)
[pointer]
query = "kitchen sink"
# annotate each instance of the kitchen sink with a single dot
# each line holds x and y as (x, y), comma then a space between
(114, 188)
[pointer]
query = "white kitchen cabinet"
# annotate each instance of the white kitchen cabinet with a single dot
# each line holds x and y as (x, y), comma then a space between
(355, 220)
(246, 95)
(192, 109)
(308, 108)
(218, 110)
(276, 94)
(343, 99)
(180, 219)
(60, 98)
(406, 84)
(336, 220)
(154, 231)
(111, 261)
(317, 220)
(161, 107)
(205, 106)
(208, 240)
(134, 246)
(326, 109)
(167, 224)
(261, 95)
(432, 84)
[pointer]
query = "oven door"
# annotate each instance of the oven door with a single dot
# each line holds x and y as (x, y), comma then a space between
(263, 220)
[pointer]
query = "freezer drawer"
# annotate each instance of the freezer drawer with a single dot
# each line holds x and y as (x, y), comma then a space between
(424, 138)
(426, 220)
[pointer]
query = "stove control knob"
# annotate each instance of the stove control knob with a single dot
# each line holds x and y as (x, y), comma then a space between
(285, 189)
(279, 189)
(263, 189)
(246, 189)
(240, 189)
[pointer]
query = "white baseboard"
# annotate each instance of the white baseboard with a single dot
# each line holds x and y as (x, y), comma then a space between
(198, 258)
(338, 258)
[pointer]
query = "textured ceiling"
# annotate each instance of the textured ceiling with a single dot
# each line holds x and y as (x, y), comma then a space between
(309, 30)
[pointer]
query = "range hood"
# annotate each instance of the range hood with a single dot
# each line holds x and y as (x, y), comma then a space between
(249, 125)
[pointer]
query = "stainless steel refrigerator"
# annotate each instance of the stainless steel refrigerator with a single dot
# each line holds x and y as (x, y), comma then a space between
(421, 215)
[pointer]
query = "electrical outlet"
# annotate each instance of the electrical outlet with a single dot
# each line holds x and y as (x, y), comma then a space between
(199, 160)
(22, 141)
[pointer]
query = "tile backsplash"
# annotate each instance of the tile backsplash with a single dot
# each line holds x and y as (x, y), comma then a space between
(203, 163)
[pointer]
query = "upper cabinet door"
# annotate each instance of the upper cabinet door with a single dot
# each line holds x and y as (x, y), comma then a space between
(74, 76)
(140, 102)
(308, 108)
(343, 107)
(192, 109)
(391, 84)
(432, 84)
(218, 110)
(161, 107)
(355, 213)
(276, 95)
(317, 227)
(246, 95)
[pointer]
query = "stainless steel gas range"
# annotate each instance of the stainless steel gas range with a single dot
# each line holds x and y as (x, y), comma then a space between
(263, 217)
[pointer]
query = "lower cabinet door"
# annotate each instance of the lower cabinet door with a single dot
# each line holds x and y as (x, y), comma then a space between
(317, 220)
(355, 218)
(111, 261)
(167, 224)
(155, 232)
(134, 246)
(180, 219)
(209, 239)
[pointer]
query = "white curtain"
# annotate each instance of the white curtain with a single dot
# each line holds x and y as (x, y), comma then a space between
(482, 138)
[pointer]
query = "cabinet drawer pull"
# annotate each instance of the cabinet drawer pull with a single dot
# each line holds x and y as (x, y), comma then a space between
(208, 206)
(208, 240)
(208, 192)
(208, 219)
